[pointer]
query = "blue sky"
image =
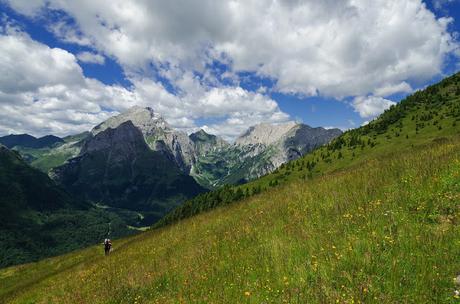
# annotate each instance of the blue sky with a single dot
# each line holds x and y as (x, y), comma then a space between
(222, 67)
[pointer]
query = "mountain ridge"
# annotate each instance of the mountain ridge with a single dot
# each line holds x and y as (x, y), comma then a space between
(371, 217)
(29, 141)
(208, 158)
(117, 168)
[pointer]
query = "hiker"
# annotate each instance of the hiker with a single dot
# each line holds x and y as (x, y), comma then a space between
(107, 246)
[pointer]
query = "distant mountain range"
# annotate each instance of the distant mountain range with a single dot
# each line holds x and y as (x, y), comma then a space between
(29, 141)
(209, 159)
(126, 173)
(259, 151)
(139, 167)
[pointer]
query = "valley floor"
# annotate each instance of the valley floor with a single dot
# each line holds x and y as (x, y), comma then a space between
(384, 231)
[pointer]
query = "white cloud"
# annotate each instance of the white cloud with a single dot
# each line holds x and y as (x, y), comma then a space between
(68, 33)
(43, 90)
(27, 65)
(387, 90)
(371, 106)
(336, 48)
(332, 48)
(27, 7)
(89, 57)
(236, 109)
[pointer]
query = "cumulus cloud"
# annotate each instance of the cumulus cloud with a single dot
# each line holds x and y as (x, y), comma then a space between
(88, 57)
(387, 90)
(369, 49)
(43, 90)
(371, 106)
(235, 108)
(334, 48)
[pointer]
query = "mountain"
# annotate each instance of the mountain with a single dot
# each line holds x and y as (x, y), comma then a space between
(209, 159)
(264, 134)
(116, 167)
(290, 140)
(423, 117)
(204, 143)
(29, 141)
(258, 151)
(158, 134)
(40, 219)
(372, 217)
(212, 161)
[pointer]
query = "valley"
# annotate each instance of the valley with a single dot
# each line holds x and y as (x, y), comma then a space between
(370, 217)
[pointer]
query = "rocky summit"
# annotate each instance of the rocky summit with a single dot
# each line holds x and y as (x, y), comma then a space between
(158, 134)
(258, 151)
(264, 134)
(211, 160)
(116, 168)
(208, 158)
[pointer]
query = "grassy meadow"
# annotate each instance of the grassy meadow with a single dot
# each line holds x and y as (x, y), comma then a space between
(385, 230)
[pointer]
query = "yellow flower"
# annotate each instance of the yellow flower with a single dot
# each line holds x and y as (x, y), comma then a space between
(247, 293)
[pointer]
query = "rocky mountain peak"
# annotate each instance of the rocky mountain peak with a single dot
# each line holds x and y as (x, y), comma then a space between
(158, 134)
(145, 119)
(264, 133)
(204, 142)
(126, 138)
(202, 135)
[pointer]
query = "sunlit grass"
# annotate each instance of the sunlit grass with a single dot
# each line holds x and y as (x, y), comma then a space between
(384, 231)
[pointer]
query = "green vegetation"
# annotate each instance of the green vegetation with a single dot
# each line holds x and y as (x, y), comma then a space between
(426, 115)
(385, 231)
(48, 157)
(117, 168)
(230, 165)
(373, 217)
(39, 219)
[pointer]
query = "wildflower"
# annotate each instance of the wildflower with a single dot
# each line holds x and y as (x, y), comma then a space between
(247, 293)
(457, 280)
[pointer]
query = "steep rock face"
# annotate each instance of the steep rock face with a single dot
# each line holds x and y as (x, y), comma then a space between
(260, 150)
(117, 168)
(300, 140)
(175, 145)
(264, 134)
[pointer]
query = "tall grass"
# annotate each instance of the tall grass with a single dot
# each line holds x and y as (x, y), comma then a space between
(384, 231)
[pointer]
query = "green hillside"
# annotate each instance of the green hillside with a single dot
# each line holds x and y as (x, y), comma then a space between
(47, 157)
(386, 231)
(432, 114)
(371, 218)
(39, 219)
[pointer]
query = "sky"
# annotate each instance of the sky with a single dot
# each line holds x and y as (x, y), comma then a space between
(222, 66)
